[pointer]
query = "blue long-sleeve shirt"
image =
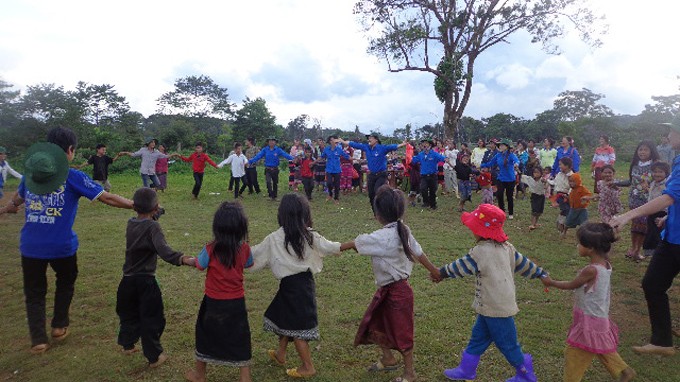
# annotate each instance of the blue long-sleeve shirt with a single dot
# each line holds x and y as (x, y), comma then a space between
(672, 232)
(428, 161)
(271, 156)
(570, 152)
(333, 159)
(506, 172)
(377, 161)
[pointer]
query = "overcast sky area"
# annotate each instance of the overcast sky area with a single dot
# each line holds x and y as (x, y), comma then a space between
(309, 57)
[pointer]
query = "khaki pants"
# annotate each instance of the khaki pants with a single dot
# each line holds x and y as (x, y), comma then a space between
(577, 362)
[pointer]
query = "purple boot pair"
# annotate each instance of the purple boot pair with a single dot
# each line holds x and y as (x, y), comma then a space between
(467, 370)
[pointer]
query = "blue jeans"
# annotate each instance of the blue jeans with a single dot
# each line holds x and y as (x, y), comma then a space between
(502, 332)
(150, 180)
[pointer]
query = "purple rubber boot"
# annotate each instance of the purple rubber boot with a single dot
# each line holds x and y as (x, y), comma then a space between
(525, 372)
(467, 370)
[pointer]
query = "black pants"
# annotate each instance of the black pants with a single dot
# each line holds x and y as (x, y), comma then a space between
(508, 188)
(271, 175)
(251, 179)
(428, 190)
(333, 184)
(663, 268)
(375, 180)
(308, 184)
(238, 189)
(35, 290)
(198, 183)
(139, 305)
(653, 235)
(231, 182)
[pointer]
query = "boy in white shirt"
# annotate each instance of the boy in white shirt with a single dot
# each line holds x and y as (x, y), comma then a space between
(238, 163)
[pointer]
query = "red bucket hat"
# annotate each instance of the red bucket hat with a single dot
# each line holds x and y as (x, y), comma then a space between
(486, 221)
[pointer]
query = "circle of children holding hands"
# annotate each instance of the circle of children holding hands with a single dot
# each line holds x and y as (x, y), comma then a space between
(294, 253)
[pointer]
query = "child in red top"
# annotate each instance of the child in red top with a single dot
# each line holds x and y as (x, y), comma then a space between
(484, 181)
(307, 172)
(198, 159)
(222, 329)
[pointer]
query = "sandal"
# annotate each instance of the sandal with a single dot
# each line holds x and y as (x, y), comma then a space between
(295, 374)
(639, 258)
(59, 334)
(379, 366)
(272, 355)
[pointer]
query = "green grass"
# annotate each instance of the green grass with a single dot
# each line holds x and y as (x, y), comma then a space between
(444, 316)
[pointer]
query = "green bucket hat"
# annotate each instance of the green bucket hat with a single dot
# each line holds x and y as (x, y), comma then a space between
(45, 168)
(507, 142)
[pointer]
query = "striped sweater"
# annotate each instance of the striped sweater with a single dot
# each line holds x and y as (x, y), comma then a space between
(494, 265)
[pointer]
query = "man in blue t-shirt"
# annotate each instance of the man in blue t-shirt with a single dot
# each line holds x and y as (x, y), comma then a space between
(271, 154)
(665, 263)
(50, 192)
(429, 161)
(377, 161)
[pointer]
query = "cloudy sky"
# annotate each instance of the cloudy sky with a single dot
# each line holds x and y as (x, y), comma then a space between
(309, 57)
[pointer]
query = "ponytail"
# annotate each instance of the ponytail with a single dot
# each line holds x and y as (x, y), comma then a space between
(403, 236)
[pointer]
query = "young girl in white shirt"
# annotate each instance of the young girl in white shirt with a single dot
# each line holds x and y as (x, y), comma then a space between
(238, 163)
(389, 319)
(294, 253)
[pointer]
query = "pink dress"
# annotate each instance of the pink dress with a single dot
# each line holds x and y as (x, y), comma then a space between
(592, 330)
(610, 201)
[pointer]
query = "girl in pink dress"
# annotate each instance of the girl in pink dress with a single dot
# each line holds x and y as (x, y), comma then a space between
(592, 333)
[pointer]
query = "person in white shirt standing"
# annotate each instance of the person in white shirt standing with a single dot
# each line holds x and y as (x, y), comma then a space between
(450, 178)
(5, 169)
(238, 163)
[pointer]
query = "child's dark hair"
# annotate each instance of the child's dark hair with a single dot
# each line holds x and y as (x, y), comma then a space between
(145, 200)
(596, 236)
(199, 144)
(237, 145)
(567, 162)
(296, 219)
(230, 229)
(653, 155)
(63, 138)
(608, 167)
(389, 204)
(663, 166)
(537, 168)
(99, 146)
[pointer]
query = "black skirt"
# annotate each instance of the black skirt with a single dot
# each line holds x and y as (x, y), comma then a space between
(537, 204)
(292, 313)
(223, 332)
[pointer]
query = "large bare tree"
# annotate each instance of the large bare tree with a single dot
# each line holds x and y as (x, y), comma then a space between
(446, 37)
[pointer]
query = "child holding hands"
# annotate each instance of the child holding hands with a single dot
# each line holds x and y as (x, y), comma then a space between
(537, 185)
(592, 333)
(222, 329)
(493, 261)
(389, 319)
(294, 253)
(139, 303)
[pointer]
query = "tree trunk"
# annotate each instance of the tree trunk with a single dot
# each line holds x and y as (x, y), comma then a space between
(450, 117)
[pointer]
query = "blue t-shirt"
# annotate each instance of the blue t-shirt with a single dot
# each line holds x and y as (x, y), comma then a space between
(377, 161)
(672, 232)
(271, 156)
(506, 172)
(428, 161)
(333, 159)
(570, 152)
(48, 231)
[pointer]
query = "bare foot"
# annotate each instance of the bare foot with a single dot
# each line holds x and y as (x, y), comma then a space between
(193, 376)
(40, 348)
(627, 375)
(532, 227)
(161, 358)
(130, 351)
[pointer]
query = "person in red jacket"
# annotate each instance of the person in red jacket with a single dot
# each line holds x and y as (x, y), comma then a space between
(198, 159)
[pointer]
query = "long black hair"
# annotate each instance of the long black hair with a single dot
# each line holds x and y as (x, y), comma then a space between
(296, 219)
(653, 155)
(389, 205)
(597, 236)
(230, 228)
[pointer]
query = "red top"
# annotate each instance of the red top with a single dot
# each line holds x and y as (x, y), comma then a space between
(306, 168)
(199, 160)
(483, 179)
(222, 283)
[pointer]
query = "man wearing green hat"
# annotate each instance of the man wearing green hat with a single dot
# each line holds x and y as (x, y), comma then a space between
(50, 191)
(665, 263)
(5, 169)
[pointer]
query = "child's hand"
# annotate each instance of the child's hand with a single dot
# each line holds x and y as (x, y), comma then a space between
(546, 280)
(435, 277)
(660, 222)
(189, 260)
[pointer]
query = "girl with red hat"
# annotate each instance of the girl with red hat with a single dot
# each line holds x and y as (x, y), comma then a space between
(493, 260)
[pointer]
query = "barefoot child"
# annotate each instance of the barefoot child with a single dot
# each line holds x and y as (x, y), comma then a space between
(294, 253)
(592, 333)
(493, 260)
(579, 197)
(139, 303)
(389, 321)
(537, 186)
(224, 259)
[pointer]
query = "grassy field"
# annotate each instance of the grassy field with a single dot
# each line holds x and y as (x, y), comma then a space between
(443, 311)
